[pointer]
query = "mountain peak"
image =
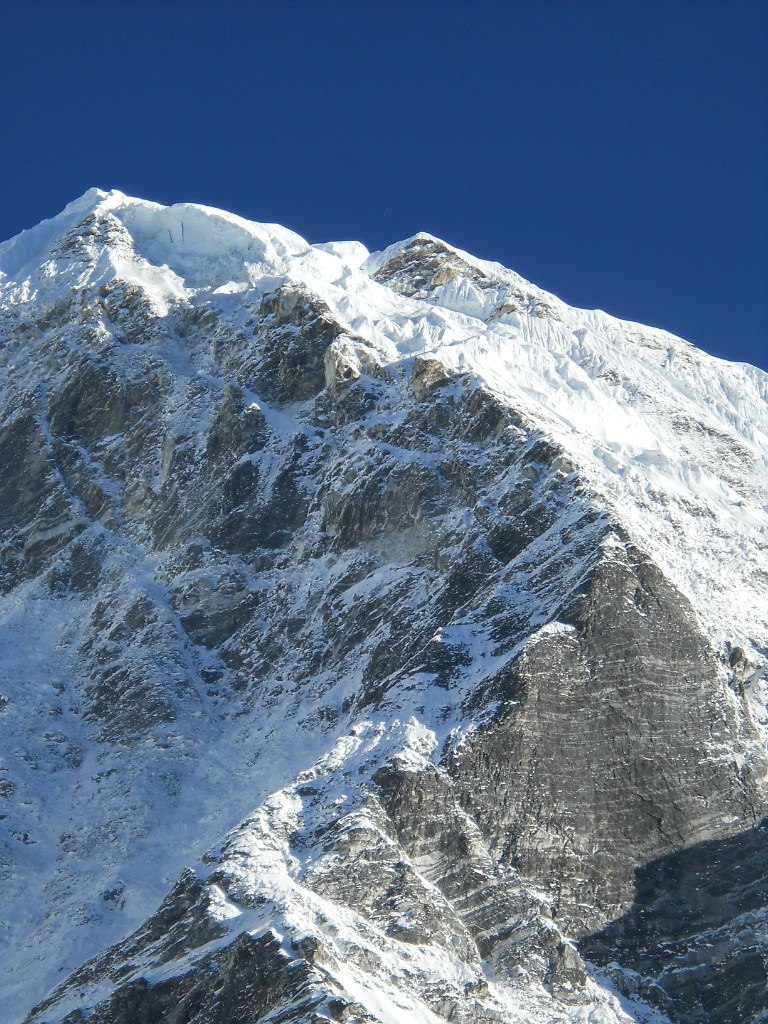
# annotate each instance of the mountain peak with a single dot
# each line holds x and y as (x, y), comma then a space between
(379, 636)
(624, 397)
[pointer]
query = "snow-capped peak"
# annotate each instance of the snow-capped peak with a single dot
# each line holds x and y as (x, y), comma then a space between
(451, 594)
(675, 439)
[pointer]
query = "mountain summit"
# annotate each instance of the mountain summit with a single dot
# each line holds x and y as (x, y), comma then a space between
(384, 640)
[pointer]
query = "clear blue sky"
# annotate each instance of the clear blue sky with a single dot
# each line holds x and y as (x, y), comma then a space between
(613, 151)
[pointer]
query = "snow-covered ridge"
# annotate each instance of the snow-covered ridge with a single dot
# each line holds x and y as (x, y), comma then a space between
(277, 873)
(159, 233)
(676, 439)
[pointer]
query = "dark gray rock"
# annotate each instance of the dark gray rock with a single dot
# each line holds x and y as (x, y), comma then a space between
(423, 264)
(702, 907)
(247, 981)
(623, 697)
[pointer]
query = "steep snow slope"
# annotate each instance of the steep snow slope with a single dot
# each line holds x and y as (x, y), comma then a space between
(263, 504)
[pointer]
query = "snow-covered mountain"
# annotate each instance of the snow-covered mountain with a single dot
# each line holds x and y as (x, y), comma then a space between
(383, 640)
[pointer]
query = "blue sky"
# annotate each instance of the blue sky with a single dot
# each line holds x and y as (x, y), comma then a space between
(615, 153)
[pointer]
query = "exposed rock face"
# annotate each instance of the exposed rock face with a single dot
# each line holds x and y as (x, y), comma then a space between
(368, 652)
(616, 697)
(705, 903)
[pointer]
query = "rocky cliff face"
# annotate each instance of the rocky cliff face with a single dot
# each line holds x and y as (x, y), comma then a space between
(383, 639)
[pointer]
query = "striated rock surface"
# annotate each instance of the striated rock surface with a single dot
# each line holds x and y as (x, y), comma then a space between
(383, 640)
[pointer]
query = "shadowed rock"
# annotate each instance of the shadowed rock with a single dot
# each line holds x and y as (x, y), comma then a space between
(702, 907)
